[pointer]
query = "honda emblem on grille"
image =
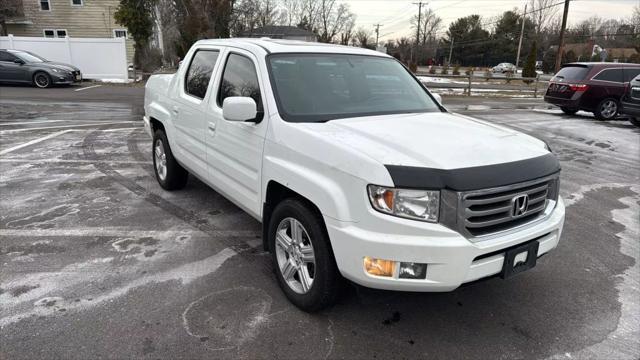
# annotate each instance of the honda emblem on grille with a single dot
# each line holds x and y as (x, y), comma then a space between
(519, 205)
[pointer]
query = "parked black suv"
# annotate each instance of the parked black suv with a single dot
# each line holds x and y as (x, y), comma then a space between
(630, 103)
(593, 87)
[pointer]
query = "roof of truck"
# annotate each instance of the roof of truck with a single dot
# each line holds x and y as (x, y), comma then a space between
(290, 46)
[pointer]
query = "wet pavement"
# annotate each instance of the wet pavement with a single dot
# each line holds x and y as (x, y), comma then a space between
(97, 261)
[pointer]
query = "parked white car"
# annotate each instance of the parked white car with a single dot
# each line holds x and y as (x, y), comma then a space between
(353, 167)
(504, 68)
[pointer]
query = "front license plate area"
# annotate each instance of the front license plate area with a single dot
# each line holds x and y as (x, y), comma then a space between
(519, 259)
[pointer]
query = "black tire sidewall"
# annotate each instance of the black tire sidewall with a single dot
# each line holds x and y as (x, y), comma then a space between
(325, 286)
(41, 73)
(176, 175)
(599, 115)
(635, 120)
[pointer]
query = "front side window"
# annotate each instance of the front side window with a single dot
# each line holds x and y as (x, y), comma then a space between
(614, 75)
(199, 73)
(240, 79)
(45, 5)
(323, 87)
(5, 56)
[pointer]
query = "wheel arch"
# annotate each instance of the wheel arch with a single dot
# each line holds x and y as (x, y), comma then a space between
(276, 193)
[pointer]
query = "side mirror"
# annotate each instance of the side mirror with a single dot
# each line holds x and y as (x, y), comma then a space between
(437, 97)
(239, 108)
(19, 61)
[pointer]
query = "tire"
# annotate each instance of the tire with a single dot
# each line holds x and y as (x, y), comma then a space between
(170, 175)
(607, 109)
(294, 255)
(634, 120)
(568, 111)
(42, 80)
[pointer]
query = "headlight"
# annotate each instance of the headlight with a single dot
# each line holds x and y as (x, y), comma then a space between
(56, 70)
(413, 204)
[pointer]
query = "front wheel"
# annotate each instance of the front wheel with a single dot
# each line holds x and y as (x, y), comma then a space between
(170, 175)
(42, 80)
(607, 109)
(302, 257)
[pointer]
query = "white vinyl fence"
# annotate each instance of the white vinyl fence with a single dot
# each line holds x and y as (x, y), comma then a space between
(97, 58)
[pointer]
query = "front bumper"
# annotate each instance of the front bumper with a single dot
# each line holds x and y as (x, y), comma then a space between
(66, 78)
(451, 258)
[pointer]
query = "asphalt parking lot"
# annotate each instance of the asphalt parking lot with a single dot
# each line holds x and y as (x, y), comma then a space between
(97, 261)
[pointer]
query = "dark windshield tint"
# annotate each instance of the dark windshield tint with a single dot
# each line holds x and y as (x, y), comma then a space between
(571, 73)
(322, 87)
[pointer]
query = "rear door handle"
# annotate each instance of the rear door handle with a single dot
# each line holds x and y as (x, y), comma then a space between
(175, 110)
(212, 127)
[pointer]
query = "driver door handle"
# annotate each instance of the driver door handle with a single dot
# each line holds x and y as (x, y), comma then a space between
(212, 127)
(175, 110)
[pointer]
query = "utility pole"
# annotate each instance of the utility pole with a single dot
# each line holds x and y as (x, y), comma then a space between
(561, 45)
(377, 26)
(524, 19)
(418, 28)
(450, 51)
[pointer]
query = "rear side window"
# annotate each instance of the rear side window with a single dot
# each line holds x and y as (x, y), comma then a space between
(631, 73)
(5, 56)
(199, 73)
(240, 79)
(571, 73)
(614, 75)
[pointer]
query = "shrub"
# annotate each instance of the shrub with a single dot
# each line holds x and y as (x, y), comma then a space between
(444, 70)
(488, 73)
(529, 70)
(456, 70)
(413, 67)
(432, 70)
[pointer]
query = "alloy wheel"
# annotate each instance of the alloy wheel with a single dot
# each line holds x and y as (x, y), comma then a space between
(295, 255)
(161, 160)
(42, 80)
(608, 109)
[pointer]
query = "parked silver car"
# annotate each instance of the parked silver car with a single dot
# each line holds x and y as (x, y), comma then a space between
(18, 66)
(504, 68)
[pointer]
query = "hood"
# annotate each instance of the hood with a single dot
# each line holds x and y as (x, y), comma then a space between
(59, 65)
(434, 140)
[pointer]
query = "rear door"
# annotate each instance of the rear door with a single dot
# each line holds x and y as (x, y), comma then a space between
(189, 108)
(609, 82)
(234, 149)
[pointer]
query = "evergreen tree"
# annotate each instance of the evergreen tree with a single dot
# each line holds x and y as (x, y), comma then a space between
(529, 70)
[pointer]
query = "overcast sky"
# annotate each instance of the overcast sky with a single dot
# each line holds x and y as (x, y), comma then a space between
(394, 15)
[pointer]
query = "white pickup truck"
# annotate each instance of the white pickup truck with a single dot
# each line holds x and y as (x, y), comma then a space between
(353, 167)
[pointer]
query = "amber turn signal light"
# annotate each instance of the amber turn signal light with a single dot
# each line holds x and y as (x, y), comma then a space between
(379, 267)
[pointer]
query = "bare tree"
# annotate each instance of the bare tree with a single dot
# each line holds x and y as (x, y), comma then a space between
(635, 18)
(542, 13)
(363, 38)
(332, 18)
(9, 9)
(292, 12)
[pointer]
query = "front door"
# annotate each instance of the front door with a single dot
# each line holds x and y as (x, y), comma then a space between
(234, 149)
(188, 111)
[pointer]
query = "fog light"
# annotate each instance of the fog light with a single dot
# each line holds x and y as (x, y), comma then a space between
(379, 267)
(411, 270)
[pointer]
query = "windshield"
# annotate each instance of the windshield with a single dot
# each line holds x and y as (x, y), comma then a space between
(322, 87)
(29, 57)
(571, 73)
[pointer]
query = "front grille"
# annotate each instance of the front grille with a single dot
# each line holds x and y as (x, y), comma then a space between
(489, 211)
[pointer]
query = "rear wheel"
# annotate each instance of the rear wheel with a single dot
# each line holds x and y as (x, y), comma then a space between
(302, 257)
(42, 80)
(607, 109)
(568, 111)
(170, 175)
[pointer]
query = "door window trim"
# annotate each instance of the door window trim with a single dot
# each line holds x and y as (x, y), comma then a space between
(186, 73)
